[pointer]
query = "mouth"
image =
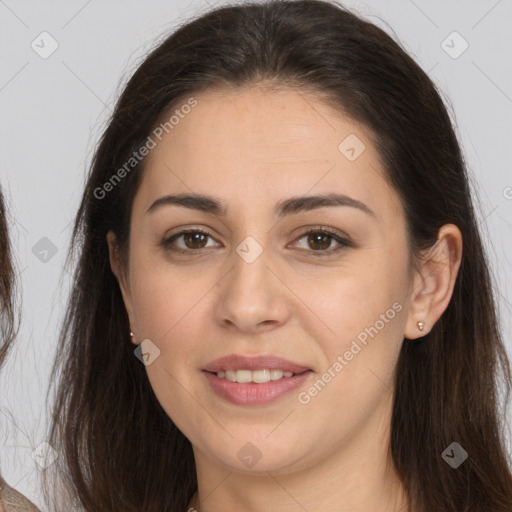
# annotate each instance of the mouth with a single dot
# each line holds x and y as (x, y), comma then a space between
(256, 376)
(235, 363)
(254, 380)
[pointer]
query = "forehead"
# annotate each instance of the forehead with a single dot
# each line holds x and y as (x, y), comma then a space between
(281, 125)
(255, 142)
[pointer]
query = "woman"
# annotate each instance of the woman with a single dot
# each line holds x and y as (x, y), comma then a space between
(281, 300)
(10, 499)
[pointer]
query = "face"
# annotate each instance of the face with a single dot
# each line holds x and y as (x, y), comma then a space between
(259, 281)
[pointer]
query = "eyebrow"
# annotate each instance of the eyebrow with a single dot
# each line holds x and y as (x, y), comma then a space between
(283, 208)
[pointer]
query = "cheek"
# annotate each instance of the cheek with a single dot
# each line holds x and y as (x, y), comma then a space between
(342, 305)
(168, 302)
(360, 335)
(175, 306)
(367, 318)
(170, 311)
(329, 311)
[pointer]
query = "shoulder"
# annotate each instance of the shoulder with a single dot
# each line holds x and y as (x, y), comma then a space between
(12, 501)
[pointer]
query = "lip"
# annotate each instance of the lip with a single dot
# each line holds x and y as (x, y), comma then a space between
(239, 362)
(252, 393)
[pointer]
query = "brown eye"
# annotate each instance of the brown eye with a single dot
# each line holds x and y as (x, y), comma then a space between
(194, 240)
(319, 242)
(187, 241)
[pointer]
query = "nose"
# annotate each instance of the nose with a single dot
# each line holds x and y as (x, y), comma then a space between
(253, 297)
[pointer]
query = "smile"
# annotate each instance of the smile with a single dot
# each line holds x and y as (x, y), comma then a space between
(256, 376)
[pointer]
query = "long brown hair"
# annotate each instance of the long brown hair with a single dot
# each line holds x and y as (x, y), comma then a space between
(119, 449)
(8, 318)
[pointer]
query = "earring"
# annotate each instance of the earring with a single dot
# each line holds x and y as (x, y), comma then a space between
(131, 334)
(421, 324)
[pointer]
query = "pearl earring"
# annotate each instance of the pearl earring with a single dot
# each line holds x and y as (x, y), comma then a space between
(421, 324)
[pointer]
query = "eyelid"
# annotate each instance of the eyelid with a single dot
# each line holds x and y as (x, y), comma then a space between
(341, 239)
(168, 240)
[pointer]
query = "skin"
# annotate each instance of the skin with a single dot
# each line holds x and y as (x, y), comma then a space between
(250, 149)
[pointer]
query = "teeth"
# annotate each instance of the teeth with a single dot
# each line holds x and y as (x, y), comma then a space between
(257, 376)
(276, 374)
(260, 376)
(243, 376)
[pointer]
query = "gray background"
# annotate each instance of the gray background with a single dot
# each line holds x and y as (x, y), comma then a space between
(52, 112)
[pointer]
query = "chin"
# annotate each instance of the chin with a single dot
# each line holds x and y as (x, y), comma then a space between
(259, 458)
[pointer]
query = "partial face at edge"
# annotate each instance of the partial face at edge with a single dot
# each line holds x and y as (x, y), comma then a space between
(284, 293)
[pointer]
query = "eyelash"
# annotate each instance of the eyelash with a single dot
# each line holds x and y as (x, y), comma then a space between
(343, 243)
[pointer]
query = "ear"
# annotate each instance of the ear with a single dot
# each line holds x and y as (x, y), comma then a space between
(434, 281)
(119, 271)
